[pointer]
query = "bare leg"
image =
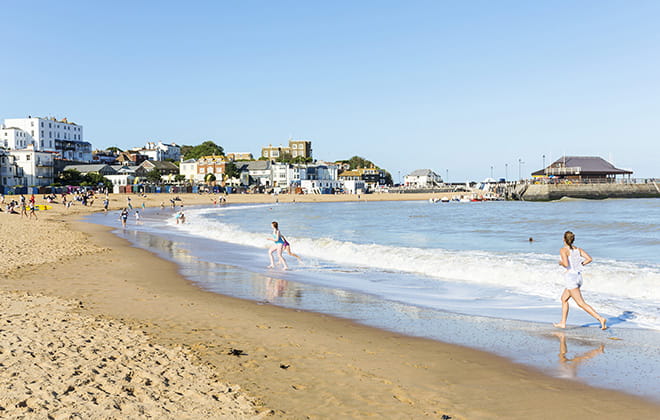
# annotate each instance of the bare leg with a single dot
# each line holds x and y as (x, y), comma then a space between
(288, 249)
(281, 257)
(270, 255)
(564, 309)
(577, 296)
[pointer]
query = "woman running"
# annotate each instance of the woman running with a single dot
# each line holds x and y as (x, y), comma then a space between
(573, 258)
(278, 246)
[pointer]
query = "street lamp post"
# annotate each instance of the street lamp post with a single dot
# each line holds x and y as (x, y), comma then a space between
(520, 164)
(506, 172)
(491, 171)
(447, 176)
(544, 162)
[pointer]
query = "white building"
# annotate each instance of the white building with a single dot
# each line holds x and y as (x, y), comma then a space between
(319, 186)
(8, 170)
(161, 151)
(188, 168)
(48, 134)
(257, 172)
(35, 168)
(14, 138)
(354, 186)
(422, 178)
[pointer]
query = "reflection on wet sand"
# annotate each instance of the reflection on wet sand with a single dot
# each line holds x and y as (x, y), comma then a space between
(275, 288)
(568, 366)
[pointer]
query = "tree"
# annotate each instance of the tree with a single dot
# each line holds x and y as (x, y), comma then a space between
(301, 159)
(209, 178)
(388, 178)
(185, 149)
(179, 177)
(360, 162)
(207, 148)
(284, 158)
(231, 170)
(153, 176)
(114, 149)
(70, 177)
(95, 179)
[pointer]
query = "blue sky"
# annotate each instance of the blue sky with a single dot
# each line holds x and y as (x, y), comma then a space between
(454, 86)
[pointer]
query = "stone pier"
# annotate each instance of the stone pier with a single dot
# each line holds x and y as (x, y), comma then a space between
(548, 192)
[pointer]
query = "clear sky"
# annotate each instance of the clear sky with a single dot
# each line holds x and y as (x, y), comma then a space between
(454, 86)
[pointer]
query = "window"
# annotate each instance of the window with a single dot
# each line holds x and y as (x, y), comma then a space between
(42, 133)
(32, 123)
(27, 157)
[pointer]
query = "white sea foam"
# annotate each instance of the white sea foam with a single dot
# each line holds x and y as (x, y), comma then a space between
(614, 286)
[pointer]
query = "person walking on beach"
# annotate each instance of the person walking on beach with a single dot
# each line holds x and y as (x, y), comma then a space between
(124, 216)
(573, 259)
(23, 206)
(278, 247)
(32, 208)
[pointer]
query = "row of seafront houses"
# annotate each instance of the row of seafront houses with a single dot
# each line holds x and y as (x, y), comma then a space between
(35, 150)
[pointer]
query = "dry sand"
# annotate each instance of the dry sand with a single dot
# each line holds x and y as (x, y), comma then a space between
(289, 364)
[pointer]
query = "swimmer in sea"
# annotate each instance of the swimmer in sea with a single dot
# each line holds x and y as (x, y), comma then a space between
(278, 247)
(573, 259)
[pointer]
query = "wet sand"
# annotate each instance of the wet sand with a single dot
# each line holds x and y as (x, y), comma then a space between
(288, 364)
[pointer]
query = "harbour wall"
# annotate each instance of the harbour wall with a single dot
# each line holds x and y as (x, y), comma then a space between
(548, 192)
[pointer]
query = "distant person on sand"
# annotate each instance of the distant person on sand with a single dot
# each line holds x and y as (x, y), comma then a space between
(32, 208)
(573, 259)
(278, 247)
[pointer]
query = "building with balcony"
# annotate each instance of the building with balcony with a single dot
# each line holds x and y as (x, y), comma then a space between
(372, 177)
(47, 134)
(34, 168)
(8, 170)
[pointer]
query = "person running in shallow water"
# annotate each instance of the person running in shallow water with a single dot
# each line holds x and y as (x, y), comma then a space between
(573, 259)
(278, 246)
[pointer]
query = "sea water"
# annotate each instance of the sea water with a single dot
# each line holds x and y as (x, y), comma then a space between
(465, 273)
(474, 258)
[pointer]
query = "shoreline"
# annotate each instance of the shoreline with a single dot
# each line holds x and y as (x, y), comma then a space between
(334, 367)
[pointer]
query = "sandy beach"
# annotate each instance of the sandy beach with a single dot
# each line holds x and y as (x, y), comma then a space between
(95, 328)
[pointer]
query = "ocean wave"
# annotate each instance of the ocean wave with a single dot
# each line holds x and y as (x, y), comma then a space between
(614, 285)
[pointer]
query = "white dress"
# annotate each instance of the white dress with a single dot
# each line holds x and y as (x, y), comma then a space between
(573, 274)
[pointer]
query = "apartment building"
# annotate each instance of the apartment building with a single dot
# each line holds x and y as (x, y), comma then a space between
(46, 135)
(296, 148)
